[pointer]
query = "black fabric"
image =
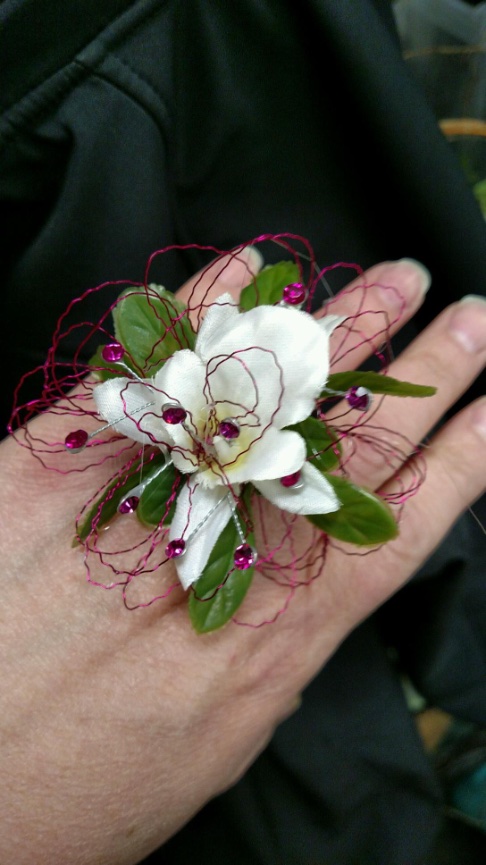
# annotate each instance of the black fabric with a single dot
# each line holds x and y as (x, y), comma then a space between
(211, 123)
(30, 30)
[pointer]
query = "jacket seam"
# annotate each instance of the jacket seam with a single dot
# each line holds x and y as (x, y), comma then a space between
(34, 106)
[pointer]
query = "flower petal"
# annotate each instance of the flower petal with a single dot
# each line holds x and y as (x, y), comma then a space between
(246, 385)
(131, 408)
(275, 454)
(298, 347)
(315, 496)
(181, 380)
(206, 510)
(183, 457)
(219, 315)
(328, 323)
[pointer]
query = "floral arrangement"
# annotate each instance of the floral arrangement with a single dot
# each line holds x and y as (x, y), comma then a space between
(217, 415)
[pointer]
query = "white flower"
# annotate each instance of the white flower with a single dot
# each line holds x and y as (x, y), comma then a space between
(258, 371)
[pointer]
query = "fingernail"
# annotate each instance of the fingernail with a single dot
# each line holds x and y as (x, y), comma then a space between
(238, 268)
(479, 417)
(468, 323)
(414, 282)
(419, 272)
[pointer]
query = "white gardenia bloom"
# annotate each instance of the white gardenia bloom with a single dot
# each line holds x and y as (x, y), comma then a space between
(250, 375)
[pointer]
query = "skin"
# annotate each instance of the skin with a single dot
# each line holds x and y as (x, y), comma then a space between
(116, 727)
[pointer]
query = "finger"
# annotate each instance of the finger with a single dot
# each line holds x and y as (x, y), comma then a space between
(448, 354)
(227, 274)
(456, 477)
(349, 589)
(377, 304)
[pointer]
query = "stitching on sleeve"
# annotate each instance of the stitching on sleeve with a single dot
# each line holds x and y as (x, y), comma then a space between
(42, 99)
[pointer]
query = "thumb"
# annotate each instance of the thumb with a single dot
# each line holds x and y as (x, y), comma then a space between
(229, 273)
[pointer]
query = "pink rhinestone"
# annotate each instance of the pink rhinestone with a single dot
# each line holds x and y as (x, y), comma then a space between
(359, 398)
(129, 505)
(290, 480)
(229, 429)
(112, 352)
(173, 413)
(244, 557)
(294, 294)
(76, 440)
(176, 548)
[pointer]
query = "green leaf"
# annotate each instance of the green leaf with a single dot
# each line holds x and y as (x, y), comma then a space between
(363, 518)
(267, 286)
(217, 596)
(377, 383)
(323, 447)
(106, 505)
(152, 506)
(151, 324)
(109, 369)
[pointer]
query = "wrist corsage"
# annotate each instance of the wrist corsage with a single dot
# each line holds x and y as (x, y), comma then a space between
(226, 427)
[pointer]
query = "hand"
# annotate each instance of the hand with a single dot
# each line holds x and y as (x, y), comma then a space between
(118, 726)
